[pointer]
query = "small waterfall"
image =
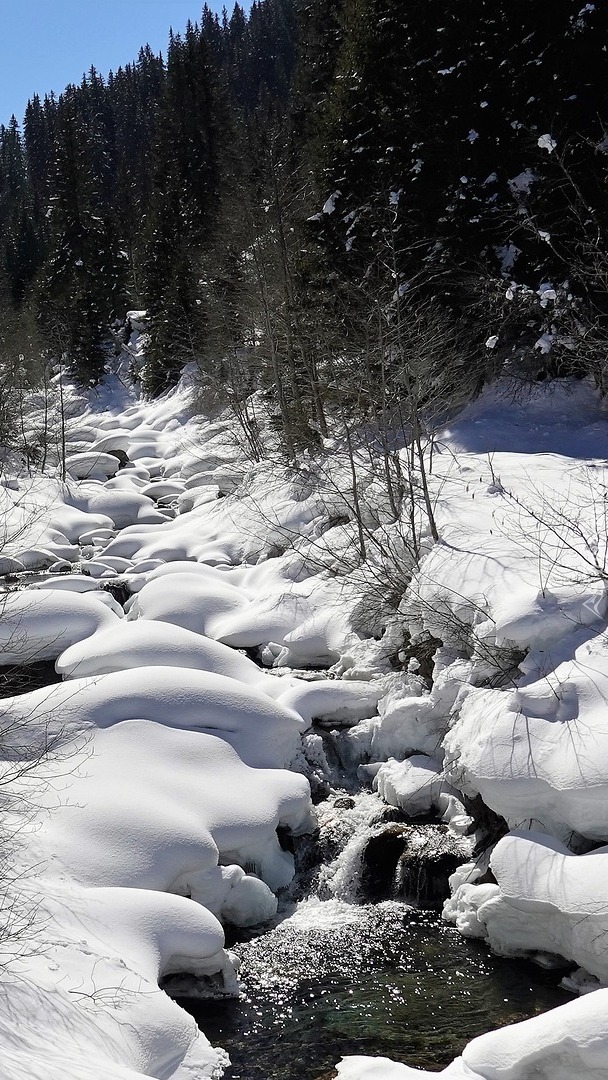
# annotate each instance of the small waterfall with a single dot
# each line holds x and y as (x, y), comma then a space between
(412, 862)
(345, 824)
(358, 960)
(365, 851)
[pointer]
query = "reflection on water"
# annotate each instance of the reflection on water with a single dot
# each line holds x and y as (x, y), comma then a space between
(337, 978)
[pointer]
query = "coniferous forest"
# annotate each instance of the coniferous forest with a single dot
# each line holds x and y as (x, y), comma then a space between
(334, 202)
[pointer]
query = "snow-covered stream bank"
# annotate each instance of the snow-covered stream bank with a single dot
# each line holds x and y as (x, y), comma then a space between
(142, 795)
(346, 976)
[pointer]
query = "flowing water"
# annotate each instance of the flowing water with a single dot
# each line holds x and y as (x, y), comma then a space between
(336, 979)
(339, 976)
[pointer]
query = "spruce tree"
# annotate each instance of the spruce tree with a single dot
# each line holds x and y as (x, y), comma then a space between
(183, 208)
(82, 287)
(20, 249)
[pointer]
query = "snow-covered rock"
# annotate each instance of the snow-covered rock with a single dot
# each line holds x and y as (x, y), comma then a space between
(546, 899)
(40, 624)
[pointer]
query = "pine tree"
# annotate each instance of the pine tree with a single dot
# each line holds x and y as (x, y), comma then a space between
(82, 287)
(134, 95)
(39, 126)
(19, 223)
(183, 207)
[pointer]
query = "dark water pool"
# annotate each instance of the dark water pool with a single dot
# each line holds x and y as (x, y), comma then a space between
(338, 979)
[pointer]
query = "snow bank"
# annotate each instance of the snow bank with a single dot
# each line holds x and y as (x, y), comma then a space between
(515, 590)
(40, 624)
(547, 759)
(152, 807)
(104, 952)
(546, 900)
(264, 733)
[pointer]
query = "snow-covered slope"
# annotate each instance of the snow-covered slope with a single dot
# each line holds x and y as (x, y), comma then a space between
(143, 793)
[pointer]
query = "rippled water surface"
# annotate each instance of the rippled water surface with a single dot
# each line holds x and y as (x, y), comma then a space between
(336, 979)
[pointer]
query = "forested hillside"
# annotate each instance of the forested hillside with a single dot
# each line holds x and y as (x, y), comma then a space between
(306, 200)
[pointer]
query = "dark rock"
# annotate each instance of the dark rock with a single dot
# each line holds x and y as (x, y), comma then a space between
(489, 826)
(379, 862)
(410, 863)
(118, 589)
(424, 876)
(319, 789)
(285, 838)
(424, 652)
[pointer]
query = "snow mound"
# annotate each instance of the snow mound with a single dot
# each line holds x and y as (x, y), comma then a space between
(40, 624)
(188, 600)
(94, 465)
(264, 733)
(417, 786)
(335, 702)
(547, 759)
(146, 643)
(546, 900)
(79, 989)
(121, 507)
(156, 807)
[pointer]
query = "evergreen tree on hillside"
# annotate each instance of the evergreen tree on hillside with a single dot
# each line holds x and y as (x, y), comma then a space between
(321, 152)
(82, 288)
(134, 94)
(183, 207)
(20, 225)
(268, 60)
(446, 105)
(39, 129)
(319, 39)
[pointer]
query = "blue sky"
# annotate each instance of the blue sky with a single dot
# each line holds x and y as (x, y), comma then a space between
(46, 44)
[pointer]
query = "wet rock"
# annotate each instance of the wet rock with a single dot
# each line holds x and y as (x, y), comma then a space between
(344, 802)
(425, 878)
(410, 863)
(319, 789)
(118, 589)
(379, 861)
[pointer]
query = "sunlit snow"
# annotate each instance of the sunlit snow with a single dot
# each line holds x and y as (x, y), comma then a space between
(145, 790)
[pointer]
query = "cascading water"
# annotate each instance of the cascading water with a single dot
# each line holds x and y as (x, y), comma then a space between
(364, 850)
(338, 975)
(345, 824)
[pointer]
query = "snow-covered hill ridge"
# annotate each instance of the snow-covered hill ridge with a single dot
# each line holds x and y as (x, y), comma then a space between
(115, 820)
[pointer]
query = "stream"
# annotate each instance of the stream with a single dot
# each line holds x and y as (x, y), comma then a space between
(337, 979)
(338, 975)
